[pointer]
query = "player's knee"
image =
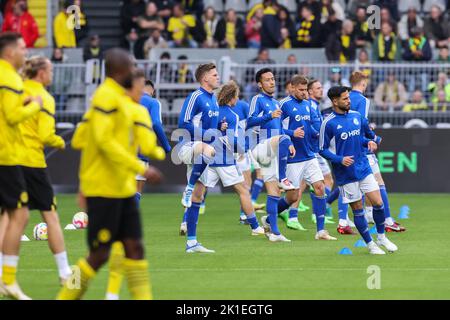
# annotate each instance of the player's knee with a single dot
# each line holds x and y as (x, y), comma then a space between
(207, 150)
(51, 218)
(319, 189)
(99, 257)
(134, 249)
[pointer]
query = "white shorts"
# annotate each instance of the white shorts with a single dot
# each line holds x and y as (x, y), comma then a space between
(267, 159)
(306, 170)
(138, 176)
(186, 153)
(323, 163)
(253, 161)
(229, 176)
(352, 192)
(373, 161)
(244, 162)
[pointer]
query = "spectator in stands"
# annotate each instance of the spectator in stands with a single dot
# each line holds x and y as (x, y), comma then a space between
(263, 57)
(268, 7)
(155, 41)
(230, 32)
(209, 24)
(408, 21)
(391, 6)
(64, 37)
(353, 5)
(441, 102)
(183, 74)
(285, 74)
(253, 28)
(314, 5)
(58, 55)
(164, 9)
(61, 81)
(308, 29)
(385, 16)
(129, 14)
(271, 31)
(335, 79)
(20, 20)
(437, 28)
(287, 28)
(93, 49)
(443, 55)
(342, 46)
(192, 7)
(328, 6)
(330, 27)
(81, 34)
(443, 84)
(390, 94)
(179, 28)
(363, 35)
(416, 103)
(386, 47)
(363, 63)
(147, 22)
(167, 74)
(417, 48)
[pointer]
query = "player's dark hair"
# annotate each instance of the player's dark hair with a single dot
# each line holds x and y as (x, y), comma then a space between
(202, 70)
(299, 79)
(336, 91)
(8, 39)
(150, 83)
(116, 60)
(260, 73)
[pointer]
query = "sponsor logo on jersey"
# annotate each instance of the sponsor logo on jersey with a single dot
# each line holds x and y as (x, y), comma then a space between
(346, 135)
(304, 118)
(213, 113)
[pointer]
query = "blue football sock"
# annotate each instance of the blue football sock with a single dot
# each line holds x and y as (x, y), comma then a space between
(282, 205)
(253, 221)
(333, 196)
(258, 184)
(200, 164)
(272, 211)
(185, 215)
(361, 225)
(137, 197)
(283, 154)
(384, 197)
(293, 213)
(342, 209)
(192, 220)
(327, 191)
(319, 206)
(378, 217)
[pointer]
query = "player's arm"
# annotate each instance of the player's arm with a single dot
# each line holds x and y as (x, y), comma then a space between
(255, 120)
(146, 138)
(14, 111)
(315, 122)
(155, 115)
(189, 110)
(79, 137)
(46, 128)
(368, 132)
(102, 126)
(326, 134)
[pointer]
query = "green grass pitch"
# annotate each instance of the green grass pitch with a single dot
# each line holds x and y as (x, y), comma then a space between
(246, 267)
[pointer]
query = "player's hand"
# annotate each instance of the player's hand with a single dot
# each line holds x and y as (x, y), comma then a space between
(224, 125)
(153, 175)
(299, 132)
(38, 99)
(277, 113)
(372, 126)
(372, 146)
(348, 161)
(81, 199)
(292, 151)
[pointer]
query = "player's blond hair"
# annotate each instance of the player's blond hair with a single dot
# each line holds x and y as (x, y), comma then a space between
(228, 91)
(33, 65)
(357, 77)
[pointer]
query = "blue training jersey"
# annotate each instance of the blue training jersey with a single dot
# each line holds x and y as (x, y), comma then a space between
(342, 135)
(316, 119)
(153, 107)
(200, 113)
(297, 113)
(260, 119)
(235, 138)
(242, 109)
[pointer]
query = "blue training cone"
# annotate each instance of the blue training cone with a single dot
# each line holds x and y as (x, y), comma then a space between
(360, 243)
(373, 230)
(345, 251)
(403, 215)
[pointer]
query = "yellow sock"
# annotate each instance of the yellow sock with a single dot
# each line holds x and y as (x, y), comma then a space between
(138, 278)
(9, 274)
(77, 284)
(115, 268)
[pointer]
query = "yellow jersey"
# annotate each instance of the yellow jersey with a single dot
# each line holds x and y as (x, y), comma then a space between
(38, 131)
(64, 36)
(178, 28)
(12, 112)
(108, 156)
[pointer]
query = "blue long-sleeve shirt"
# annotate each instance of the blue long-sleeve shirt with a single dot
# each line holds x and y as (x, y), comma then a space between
(242, 109)
(297, 113)
(200, 113)
(234, 135)
(342, 135)
(316, 119)
(261, 108)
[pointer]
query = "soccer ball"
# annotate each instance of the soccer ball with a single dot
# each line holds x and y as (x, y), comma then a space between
(40, 231)
(80, 220)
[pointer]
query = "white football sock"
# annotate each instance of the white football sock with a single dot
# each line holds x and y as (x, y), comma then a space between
(381, 236)
(10, 261)
(111, 296)
(343, 223)
(191, 243)
(63, 265)
(389, 221)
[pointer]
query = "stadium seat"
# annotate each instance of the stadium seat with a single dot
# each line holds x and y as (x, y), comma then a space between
(238, 5)
(429, 3)
(177, 105)
(216, 4)
(289, 4)
(251, 3)
(343, 4)
(404, 5)
(164, 105)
